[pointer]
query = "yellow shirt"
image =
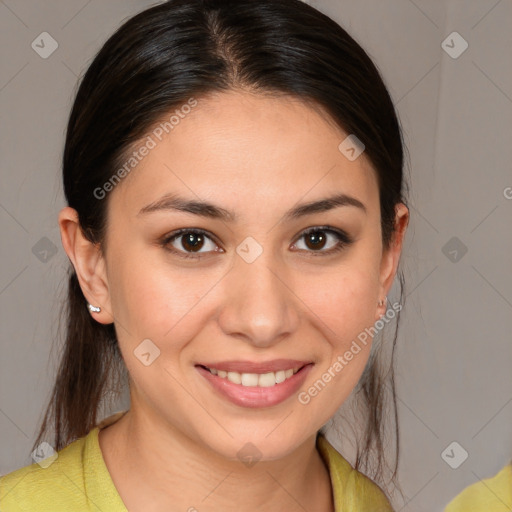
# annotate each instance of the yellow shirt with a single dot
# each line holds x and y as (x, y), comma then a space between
(78, 480)
(489, 495)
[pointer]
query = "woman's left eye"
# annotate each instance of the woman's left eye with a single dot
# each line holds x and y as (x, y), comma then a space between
(316, 239)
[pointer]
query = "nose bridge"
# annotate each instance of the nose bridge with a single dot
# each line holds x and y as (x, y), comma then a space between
(259, 305)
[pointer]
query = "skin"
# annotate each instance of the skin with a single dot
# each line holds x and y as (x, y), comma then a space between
(257, 156)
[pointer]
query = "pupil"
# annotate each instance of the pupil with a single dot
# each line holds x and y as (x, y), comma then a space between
(188, 240)
(316, 237)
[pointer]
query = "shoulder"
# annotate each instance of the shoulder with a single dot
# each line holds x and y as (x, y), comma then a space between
(75, 478)
(55, 483)
(493, 493)
(353, 491)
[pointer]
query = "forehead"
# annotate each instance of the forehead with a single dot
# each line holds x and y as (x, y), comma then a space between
(241, 148)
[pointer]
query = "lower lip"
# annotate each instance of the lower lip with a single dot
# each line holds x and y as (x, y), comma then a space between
(255, 396)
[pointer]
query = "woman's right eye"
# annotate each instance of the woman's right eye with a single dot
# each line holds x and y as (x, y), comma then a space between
(192, 240)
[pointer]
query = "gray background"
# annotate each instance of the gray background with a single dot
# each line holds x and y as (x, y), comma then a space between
(455, 357)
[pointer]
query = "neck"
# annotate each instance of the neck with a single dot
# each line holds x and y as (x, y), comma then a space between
(152, 463)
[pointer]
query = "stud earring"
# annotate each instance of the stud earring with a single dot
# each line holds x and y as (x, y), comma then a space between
(93, 309)
(382, 302)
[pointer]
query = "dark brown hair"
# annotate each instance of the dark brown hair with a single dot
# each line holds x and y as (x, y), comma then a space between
(154, 63)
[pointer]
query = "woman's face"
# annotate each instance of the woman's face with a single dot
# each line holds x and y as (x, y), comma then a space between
(255, 294)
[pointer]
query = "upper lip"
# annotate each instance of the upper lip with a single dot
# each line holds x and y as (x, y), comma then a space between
(253, 367)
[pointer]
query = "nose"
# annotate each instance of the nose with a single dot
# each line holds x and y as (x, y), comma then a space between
(259, 306)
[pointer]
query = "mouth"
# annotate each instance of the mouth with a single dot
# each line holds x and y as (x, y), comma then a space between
(255, 389)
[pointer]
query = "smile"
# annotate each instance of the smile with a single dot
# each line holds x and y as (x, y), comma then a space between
(255, 385)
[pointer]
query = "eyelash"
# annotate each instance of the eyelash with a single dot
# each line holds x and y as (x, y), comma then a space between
(343, 241)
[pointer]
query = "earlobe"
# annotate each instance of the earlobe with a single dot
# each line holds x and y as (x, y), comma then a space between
(89, 265)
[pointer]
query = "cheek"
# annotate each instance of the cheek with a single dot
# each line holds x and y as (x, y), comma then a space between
(153, 300)
(342, 312)
(343, 302)
(154, 304)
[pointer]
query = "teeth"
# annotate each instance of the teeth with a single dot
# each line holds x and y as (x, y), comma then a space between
(280, 376)
(263, 380)
(249, 379)
(267, 380)
(235, 377)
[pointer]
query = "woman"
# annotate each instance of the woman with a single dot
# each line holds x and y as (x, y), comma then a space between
(236, 213)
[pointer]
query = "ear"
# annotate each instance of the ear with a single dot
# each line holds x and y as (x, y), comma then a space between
(88, 262)
(391, 256)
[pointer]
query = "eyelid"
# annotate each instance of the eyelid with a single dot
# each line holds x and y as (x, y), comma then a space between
(343, 235)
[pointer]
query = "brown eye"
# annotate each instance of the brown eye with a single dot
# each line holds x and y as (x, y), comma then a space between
(317, 238)
(191, 243)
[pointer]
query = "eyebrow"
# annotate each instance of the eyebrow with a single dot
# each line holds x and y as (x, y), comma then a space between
(209, 210)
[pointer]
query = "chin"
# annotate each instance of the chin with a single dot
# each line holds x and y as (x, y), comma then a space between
(250, 444)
